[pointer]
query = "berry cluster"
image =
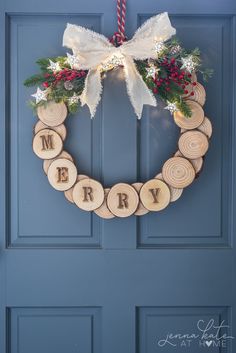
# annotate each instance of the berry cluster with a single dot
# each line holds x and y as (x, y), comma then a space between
(63, 75)
(175, 75)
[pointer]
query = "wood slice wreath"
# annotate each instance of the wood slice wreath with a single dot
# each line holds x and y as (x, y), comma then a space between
(121, 200)
(155, 65)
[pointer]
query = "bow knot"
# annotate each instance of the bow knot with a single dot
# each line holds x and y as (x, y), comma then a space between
(96, 54)
(117, 39)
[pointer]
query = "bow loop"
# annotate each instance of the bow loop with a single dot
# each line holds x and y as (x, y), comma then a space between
(94, 49)
(90, 47)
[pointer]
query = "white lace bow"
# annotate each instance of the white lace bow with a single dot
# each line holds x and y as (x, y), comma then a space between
(93, 50)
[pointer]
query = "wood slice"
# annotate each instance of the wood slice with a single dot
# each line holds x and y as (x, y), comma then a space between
(178, 172)
(103, 211)
(69, 193)
(196, 163)
(158, 176)
(88, 194)
(141, 210)
(206, 127)
(193, 144)
(192, 122)
(155, 195)
(122, 200)
(174, 193)
(47, 162)
(52, 114)
(62, 174)
(60, 129)
(47, 144)
(199, 94)
(193, 77)
(190, 87)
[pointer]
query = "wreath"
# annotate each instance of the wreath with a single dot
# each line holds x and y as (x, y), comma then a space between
(155, 65)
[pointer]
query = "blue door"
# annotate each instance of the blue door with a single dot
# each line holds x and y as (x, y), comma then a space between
(71, 282)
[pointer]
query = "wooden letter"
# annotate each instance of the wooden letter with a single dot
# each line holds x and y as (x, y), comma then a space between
(155, 193)
(88, 193)
(123, 200)
(62, 175)
(47, 142)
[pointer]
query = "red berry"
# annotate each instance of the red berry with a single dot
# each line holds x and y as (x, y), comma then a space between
(167, 88)
(186, 91)
(192, 93)
(194, 83)
(183, 86)
(189, 75)
(155, 90)
(45, 84)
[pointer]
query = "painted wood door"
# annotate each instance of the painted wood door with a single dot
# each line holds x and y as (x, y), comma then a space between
(73, 283)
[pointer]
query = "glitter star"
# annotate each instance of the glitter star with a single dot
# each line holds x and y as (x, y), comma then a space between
(112, 62)
(159, 47)
(55, 67)
(175, 49)
(152, 71)
(73, 61)
(74, 99)
(172, 107)
(188, 63)
(116, 60)
(40, 95)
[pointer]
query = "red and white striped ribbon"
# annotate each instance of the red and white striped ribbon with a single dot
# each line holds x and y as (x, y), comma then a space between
(119, 37)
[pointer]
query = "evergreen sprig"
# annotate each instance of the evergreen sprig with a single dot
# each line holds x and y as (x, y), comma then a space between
(34, 80)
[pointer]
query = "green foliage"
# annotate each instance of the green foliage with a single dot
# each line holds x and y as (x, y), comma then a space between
(43, 63)
(184, 108)
(34, 80)
(206, 74)
(73, 108)
(196, 52)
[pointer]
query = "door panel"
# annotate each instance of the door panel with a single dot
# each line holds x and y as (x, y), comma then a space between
(77, 330)
(71, 282)
(194, 225)
(174, 318)
(34, 218)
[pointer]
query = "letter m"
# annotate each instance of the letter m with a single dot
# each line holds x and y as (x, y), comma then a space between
(47, 142)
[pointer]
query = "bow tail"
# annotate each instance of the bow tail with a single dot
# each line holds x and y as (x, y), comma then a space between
(92, 91)
(138, 91)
